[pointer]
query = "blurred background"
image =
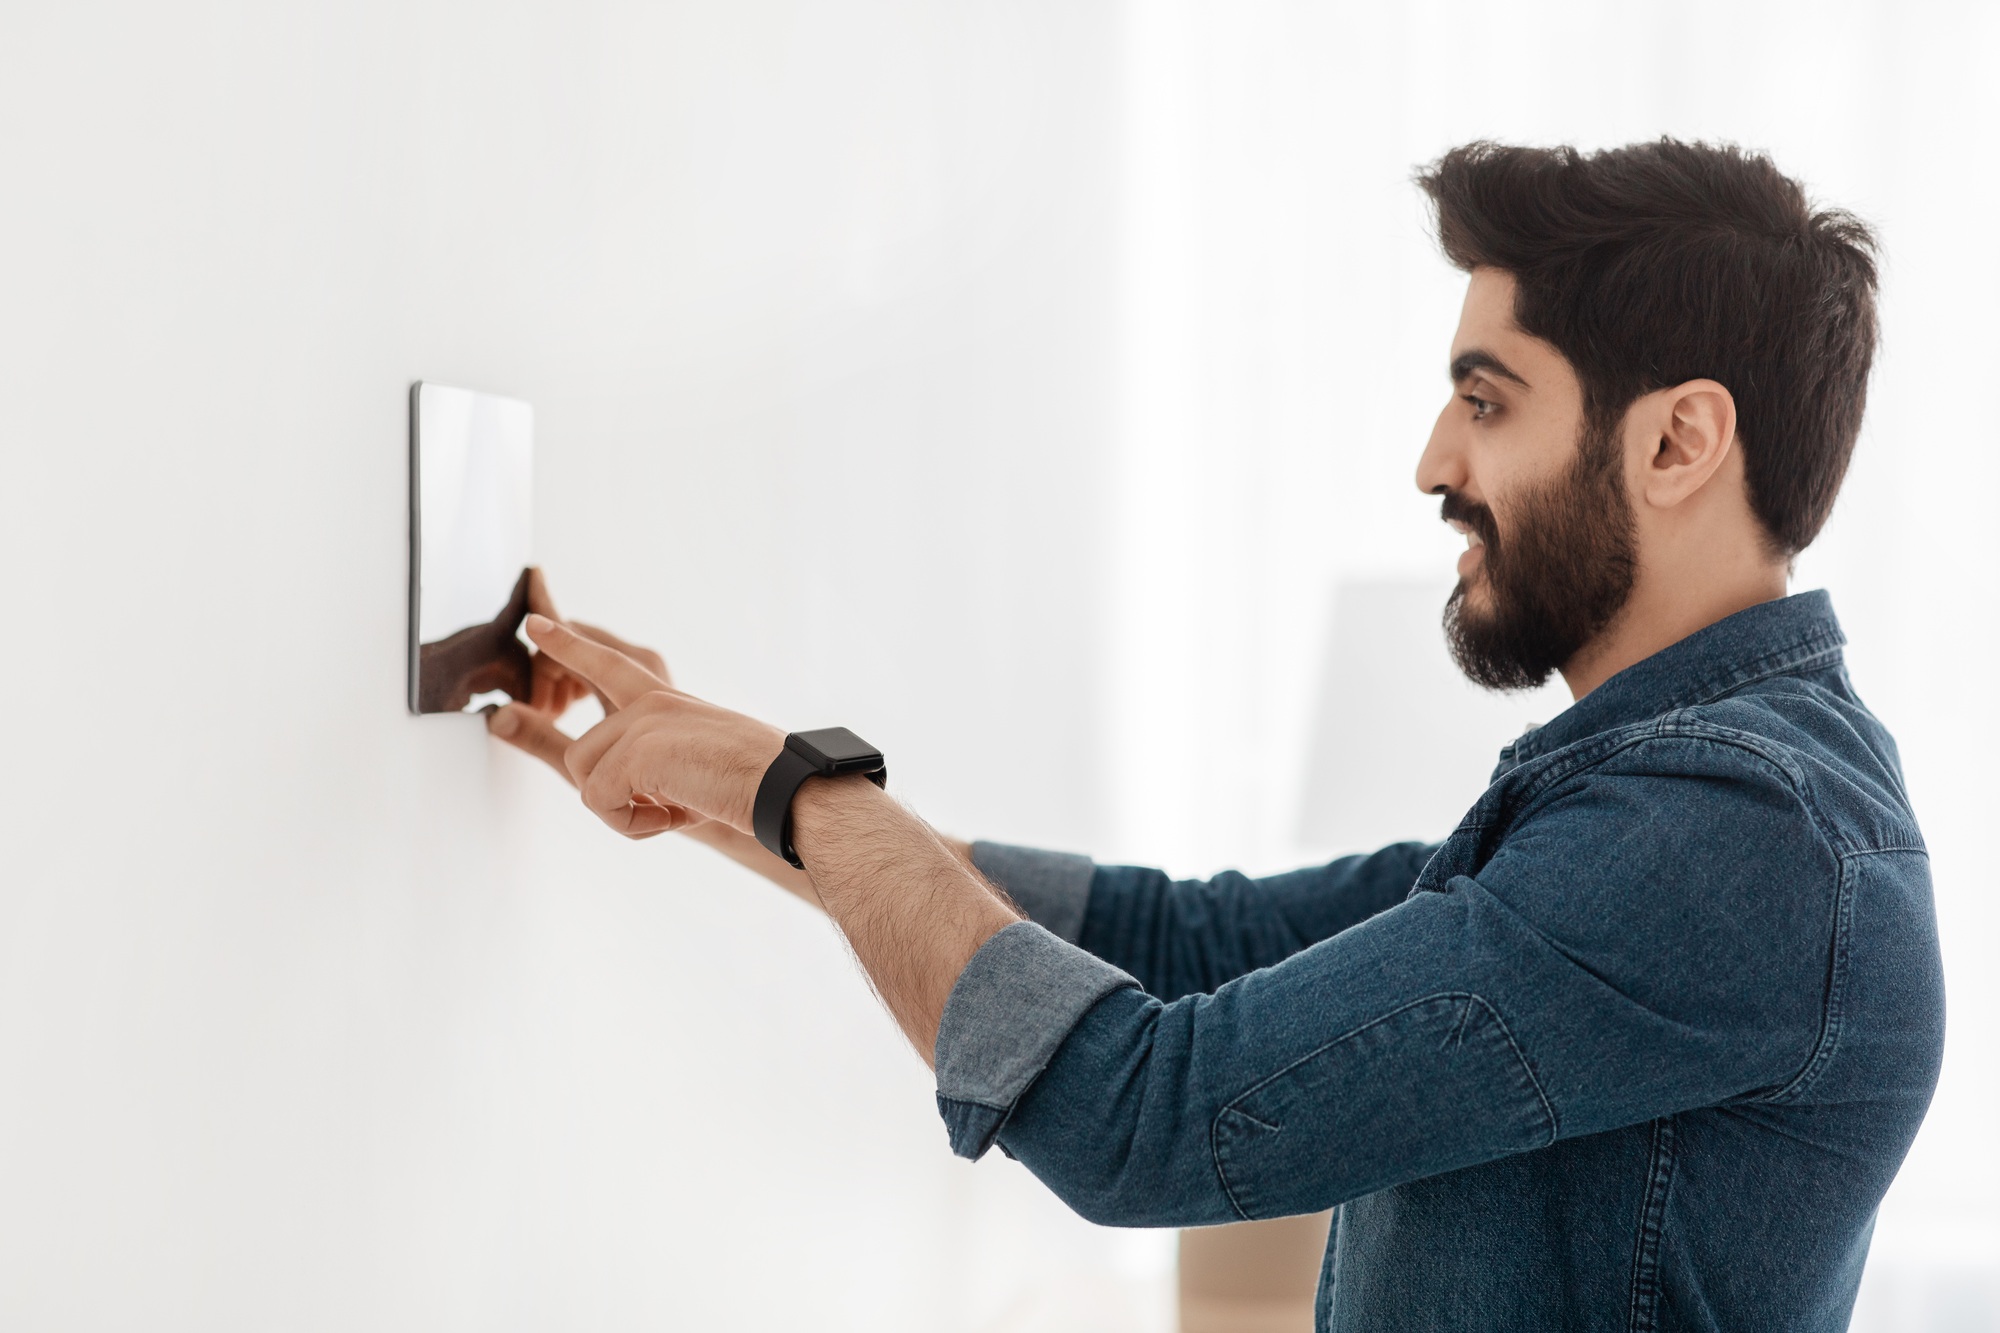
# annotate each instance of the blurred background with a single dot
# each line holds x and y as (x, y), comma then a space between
(1033, 387)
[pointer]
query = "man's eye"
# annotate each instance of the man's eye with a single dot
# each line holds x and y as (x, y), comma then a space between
(1480, 406)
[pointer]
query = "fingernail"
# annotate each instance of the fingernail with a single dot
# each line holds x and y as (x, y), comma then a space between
(504, 723)
(540, 624)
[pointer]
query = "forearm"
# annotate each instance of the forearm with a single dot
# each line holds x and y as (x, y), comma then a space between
(909, 902)
(913, 908)
(747, 852)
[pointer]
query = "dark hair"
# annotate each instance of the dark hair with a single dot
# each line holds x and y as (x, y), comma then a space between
(1657, 263)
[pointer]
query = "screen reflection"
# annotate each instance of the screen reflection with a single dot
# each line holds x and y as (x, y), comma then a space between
(471, 464)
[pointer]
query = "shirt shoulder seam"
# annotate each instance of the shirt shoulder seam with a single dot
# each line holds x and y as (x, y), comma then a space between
(1679, 725)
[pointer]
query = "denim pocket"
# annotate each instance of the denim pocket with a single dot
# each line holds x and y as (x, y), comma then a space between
(1433, 1086)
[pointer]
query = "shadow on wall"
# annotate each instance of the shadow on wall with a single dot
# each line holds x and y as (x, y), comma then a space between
(1402, 743)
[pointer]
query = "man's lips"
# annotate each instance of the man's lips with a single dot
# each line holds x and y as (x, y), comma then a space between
(1475, 547)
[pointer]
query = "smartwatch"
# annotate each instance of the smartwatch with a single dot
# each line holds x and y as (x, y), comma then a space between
(829, 752)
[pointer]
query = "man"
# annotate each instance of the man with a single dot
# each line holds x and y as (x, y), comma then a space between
(1642, 1043)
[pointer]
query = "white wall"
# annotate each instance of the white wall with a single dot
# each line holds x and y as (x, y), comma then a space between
(314, 1015)
(1119, 325)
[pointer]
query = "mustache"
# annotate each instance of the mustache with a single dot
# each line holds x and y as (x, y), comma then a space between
(1457, 508)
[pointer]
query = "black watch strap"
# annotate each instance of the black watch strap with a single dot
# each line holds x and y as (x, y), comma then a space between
(832, 752)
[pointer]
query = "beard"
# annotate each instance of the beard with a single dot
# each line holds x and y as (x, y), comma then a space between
(1563, 570)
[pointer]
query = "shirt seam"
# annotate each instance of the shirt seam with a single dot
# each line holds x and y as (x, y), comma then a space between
(1831, 650)
(1470, 997)
(1833, 1015)
(1644, 1308)
(978, 1102)
(1678, 724)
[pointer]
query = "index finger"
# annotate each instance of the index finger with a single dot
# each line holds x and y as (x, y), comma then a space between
(539, 600)
(616, 676)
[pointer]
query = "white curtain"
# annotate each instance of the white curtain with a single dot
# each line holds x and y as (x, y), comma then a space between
(1286, 318)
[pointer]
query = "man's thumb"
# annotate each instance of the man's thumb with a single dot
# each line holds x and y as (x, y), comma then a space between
(533, 731)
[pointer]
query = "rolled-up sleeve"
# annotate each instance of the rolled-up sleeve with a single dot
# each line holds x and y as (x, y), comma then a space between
(1052, 888)
(1013, 1005)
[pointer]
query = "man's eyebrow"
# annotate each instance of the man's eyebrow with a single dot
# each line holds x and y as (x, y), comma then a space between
(1465, 363)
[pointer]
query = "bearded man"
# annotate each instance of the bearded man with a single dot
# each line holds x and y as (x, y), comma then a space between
(1641, 1044)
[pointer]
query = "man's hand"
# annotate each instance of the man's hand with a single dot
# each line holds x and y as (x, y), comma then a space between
(555, 686)
(662, 759)
(912, 906)
(532, 724)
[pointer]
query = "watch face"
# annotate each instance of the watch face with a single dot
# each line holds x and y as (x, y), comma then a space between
(835, 747)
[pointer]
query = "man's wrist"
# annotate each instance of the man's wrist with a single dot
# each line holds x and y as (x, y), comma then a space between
(825, 752)
(912, 910)
(747, 764)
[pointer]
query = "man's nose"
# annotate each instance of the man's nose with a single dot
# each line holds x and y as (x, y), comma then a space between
(1442, 465)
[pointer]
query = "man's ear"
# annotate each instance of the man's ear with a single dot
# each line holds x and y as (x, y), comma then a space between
(1692, 432)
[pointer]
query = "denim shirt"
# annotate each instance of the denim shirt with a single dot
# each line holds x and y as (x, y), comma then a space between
(1639, 1046)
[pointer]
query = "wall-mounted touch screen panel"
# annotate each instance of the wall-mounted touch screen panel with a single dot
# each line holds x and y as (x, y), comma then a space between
(471, 466)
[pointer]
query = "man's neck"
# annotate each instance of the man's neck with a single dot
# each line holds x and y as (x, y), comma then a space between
(1660, 614)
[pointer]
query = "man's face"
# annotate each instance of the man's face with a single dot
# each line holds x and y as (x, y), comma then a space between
(1540, 495)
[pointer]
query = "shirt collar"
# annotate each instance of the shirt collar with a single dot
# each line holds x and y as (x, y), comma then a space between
(1791, 634)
